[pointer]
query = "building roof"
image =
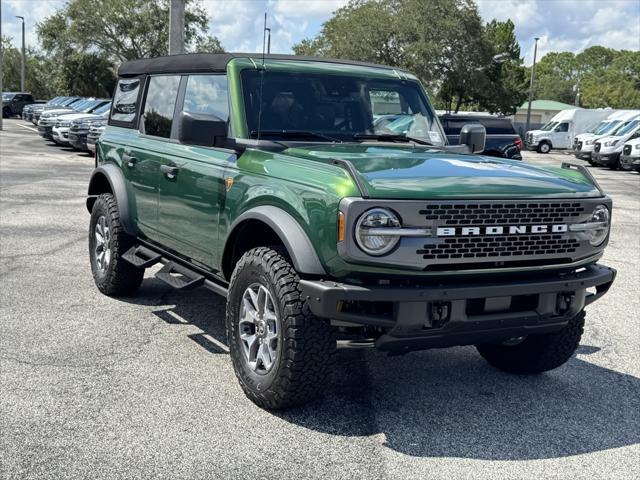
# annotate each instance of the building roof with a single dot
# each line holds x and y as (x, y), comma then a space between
(547, 105)
(213, 62)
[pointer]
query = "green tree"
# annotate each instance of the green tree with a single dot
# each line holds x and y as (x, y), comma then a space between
(37, 81)
(88, 74)
(442, 41)
(122, 29)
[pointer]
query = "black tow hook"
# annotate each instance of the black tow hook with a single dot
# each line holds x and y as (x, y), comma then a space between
(440, 314)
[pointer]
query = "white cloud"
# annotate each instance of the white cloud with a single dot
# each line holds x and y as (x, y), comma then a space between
(306, 8)
(568, 25)
(33, 11)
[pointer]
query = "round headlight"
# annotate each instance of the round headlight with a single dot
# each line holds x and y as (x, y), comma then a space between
(370, 231)
(600, 215)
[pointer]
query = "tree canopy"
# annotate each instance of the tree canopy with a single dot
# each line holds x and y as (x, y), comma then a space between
(444, 42)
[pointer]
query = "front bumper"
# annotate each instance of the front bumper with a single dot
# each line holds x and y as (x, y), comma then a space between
(582, 155)
(630, 162)
(441, 315)
(60, 135)
(78, 140)
(45, 131)
(604, 158)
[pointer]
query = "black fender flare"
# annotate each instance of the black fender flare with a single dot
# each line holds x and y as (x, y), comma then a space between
(301, 250)
(118, 187)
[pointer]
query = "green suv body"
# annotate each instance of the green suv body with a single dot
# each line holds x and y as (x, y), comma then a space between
(273, 181)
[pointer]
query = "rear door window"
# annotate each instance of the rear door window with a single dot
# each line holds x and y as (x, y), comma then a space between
(207, 94)
(125, 101)
(159, 105)
(497, 126)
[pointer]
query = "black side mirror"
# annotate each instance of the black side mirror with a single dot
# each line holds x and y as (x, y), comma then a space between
(202, 129)
(474, 136)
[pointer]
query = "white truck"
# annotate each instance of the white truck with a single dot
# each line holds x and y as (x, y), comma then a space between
(584, 143)
(630, 158)
(563, 127)
(607, 150)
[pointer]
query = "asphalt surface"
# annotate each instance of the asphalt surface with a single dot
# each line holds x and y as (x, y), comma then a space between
(96, 387)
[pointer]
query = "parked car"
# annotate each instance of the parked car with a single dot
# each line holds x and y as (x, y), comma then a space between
(28, 109)
(502, 140)
(65, 104)
(585, 142)
(81, 131)
(61, 132)
(562, 129)
(271, 187)
(608, 149)
(78, 110)
(14, 102)
(630, 158)
(94, 134)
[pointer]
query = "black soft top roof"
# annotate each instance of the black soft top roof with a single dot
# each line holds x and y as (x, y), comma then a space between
(212, 62)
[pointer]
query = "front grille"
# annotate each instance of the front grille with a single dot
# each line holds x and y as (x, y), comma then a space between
(627, 150)
(499, 246)
(469, 214)
(579, 146)
(597, 147)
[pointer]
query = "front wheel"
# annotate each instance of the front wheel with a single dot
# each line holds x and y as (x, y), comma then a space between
(108, 241)
(279, 349)
(6, 112)
(544, 147)
(536, 353)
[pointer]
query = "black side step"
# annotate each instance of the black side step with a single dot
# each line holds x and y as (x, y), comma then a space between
(179, 277)
(141, 257)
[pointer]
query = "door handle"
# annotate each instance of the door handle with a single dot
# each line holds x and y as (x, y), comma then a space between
(131, 161)
(169, 171)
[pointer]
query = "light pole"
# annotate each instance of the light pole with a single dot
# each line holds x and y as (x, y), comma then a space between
(23, 58)
(176, 27)
(533, 76)
(1, 52)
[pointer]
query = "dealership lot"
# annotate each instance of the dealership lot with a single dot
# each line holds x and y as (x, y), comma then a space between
(94, 387)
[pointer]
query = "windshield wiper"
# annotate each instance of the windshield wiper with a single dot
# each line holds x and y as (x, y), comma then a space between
(295, 134)
(391, 138)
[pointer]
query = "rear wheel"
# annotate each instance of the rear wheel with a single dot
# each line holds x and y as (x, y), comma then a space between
(108, 241)
(536, 353)
(544, 147)
(280, 350)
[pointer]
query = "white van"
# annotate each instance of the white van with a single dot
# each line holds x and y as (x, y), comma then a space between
(563, 127)
(630, 158)
(607, 150)
(584, 143)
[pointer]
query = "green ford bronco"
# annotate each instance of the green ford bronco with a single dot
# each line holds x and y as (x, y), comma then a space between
(285, 184)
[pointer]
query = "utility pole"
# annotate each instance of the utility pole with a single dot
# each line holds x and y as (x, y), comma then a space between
(176, 27)
(23, 56)
(533, 76)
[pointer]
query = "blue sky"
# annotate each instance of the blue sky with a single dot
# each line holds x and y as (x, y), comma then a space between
(562, 25)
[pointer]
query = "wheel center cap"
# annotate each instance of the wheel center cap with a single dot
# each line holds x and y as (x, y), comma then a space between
(262, 327)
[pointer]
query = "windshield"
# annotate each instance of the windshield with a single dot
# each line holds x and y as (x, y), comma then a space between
(104, 108)
(610, 127)
(91, 106)
(549, 126)
(7, 96)
(336, 107)
(70, 100)
(627, 128)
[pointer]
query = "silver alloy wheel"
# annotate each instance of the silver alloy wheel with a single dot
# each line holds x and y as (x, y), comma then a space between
(544, 148)
(258, 328)
(102, 249)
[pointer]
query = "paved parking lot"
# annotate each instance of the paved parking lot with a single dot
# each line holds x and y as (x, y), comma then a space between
(95, 387)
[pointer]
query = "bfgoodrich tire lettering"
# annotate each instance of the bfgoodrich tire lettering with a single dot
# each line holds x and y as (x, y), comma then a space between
(305, 343)
(112, 274)
(537, 353)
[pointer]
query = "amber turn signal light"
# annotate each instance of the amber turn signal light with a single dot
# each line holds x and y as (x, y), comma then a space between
(340, 226)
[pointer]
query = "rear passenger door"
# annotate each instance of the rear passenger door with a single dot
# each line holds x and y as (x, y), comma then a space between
(191, 183)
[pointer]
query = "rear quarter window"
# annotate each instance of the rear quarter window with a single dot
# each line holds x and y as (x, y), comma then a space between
(126, 102)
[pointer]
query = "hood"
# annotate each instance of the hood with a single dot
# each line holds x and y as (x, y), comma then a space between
(57, 111)
(405, 172)
(536, 132)
(76, 116)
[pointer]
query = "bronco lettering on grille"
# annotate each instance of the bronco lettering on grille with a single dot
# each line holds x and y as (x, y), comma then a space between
(500, 230)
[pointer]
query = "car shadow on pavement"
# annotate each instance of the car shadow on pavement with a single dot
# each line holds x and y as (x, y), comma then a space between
(448, 402)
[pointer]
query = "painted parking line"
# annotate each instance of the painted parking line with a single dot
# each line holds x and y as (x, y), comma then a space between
(28, 128)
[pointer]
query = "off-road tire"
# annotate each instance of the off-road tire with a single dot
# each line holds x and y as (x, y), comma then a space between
(6, 112)
(544, 148)
(537, 353)
(120, 277)
(306, 343)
